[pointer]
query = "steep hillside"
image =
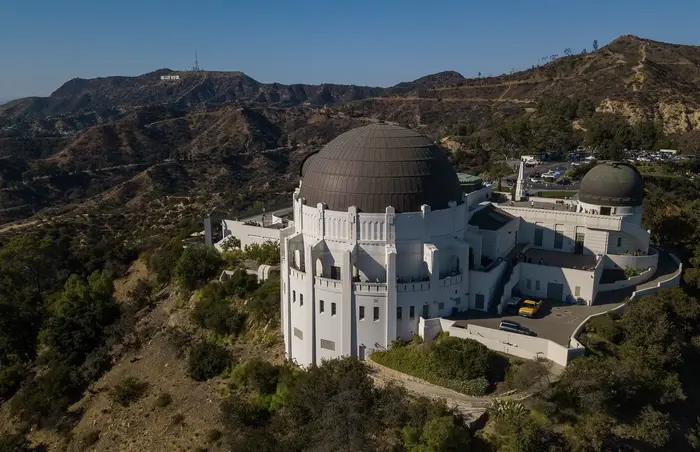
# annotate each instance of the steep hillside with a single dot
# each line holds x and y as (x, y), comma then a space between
(192, 88)
(127, 141)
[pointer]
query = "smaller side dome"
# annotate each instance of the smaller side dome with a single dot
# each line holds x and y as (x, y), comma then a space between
(612, 184)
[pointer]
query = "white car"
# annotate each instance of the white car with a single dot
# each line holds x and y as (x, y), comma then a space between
(535, 180)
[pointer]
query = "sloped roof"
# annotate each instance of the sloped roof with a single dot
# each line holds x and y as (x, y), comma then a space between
(490, 218)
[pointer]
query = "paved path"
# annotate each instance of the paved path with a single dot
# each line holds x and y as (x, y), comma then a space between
(471, 407)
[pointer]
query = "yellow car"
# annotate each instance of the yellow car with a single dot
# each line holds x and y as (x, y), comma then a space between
(530, 308)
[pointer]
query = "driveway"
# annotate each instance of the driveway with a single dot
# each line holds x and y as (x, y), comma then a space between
(555, 321)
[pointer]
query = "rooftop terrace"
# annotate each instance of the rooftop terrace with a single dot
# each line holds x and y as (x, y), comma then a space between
(561, 259)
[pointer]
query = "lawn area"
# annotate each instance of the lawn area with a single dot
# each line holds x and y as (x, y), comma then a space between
(463, 365)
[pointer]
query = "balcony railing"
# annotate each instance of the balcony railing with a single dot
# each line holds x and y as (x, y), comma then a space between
(413, 287)
(369, 287)
(328, 283)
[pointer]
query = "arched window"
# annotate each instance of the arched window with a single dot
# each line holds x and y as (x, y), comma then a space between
(319, 267)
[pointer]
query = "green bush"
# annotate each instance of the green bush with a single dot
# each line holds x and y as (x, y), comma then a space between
(197, 266)
(266, 253)
(606, 326)
(128, 391)
(476, 387)
(460, 364)
(207, 360)
(44, 398)
(164, 399)
(11, 378)
(14, 443)
(163, 261)
(265, 303)
(256, 375)
(219, 315)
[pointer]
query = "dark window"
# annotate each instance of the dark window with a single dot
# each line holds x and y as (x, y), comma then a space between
(301, 300)
(332, 308)
(426, 311)
(398, 312)
(558, 240)
(441, 305)
(328, 345)
(321, 307)
(619, 242)
(294, 296)
(538, 236)
(605, 210)
(412, 312)
(479, 301)
(335, 272)
(362, 312)
(376, 313)
(537, 285)
(528, 283)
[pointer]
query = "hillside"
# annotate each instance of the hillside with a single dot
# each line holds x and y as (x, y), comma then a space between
(125, 142)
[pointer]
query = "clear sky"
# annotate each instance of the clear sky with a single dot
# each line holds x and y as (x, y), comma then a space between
(44, 43)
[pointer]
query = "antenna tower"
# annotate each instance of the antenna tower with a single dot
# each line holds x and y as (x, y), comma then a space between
(196, 67)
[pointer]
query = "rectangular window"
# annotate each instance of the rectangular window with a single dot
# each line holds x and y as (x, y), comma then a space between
(441, 305)
(301, 299)
(458, 300)
(398, 312)
(362, 312)
(537, 285)
(335, 272)
(558, 239)
(294, 296)
(298, 333)
(619, 242)
(332, 308)
(528, 283)
(328, 345)
(539, 232)
(321, 306)
(577, 291)
(412, 312)
(376, 313)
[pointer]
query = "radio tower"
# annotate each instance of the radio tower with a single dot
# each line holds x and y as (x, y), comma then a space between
(196, 67)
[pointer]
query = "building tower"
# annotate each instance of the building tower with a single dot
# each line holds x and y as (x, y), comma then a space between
(520, 184)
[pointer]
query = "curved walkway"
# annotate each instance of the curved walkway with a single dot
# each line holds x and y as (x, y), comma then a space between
(472, 408)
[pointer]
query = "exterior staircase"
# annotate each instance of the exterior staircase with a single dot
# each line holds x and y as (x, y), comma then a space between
(498, 291)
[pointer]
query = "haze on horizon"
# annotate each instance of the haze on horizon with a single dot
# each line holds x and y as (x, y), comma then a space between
(310, 41)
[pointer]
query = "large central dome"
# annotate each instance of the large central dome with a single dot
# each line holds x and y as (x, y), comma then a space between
(377, 166)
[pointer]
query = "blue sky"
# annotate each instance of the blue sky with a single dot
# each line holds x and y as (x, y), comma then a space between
(44, 43)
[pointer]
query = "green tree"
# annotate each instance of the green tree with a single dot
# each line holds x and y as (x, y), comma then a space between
(78, 318)
(265, 253)
(197, 266)
(595, 45)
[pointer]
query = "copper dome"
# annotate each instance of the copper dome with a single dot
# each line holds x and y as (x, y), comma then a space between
(377, 166)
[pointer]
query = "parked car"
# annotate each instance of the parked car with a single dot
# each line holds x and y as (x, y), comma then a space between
(530, 308)
(513, 305)
(535, 180)
(565, 182)
(514, 327)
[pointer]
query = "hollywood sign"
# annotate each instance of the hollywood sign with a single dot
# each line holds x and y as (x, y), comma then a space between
(170, 77)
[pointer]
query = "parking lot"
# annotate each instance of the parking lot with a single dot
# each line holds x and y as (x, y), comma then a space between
(555, 321)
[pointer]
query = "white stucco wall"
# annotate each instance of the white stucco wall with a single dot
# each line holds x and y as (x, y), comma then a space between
(248, 235)
(570, 279)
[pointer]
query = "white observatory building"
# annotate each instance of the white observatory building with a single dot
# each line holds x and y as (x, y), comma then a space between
(382, 236)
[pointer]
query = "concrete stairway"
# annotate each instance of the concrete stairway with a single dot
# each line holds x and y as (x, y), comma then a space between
(498, 291)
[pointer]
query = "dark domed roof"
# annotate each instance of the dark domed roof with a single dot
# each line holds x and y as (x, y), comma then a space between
(612, 184)
(377, 166)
